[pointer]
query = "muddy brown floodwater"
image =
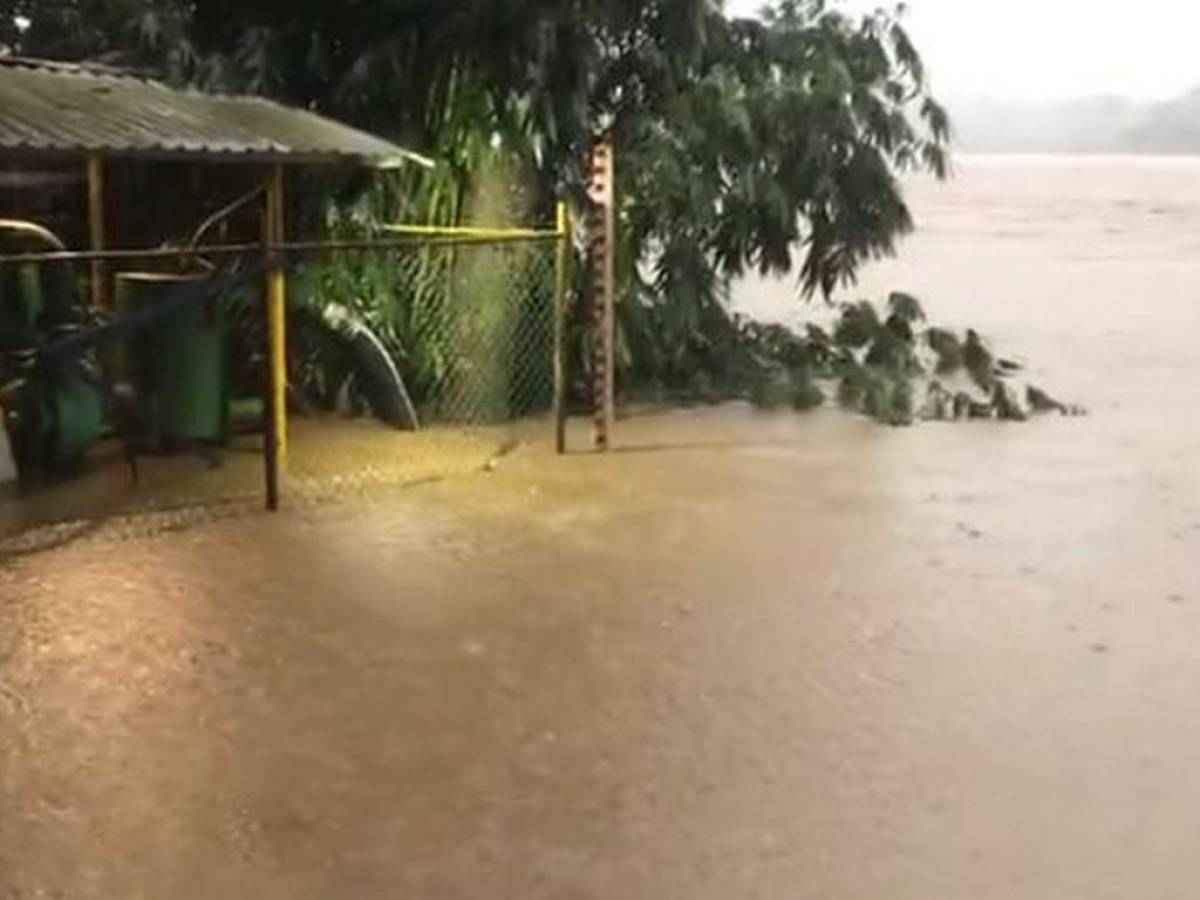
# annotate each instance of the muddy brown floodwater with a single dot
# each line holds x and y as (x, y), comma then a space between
(745, 656)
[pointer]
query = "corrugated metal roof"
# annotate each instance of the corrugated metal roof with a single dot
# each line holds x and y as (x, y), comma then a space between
(74, 108)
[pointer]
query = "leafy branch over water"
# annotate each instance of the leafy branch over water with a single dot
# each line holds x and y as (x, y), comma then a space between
(882, 360)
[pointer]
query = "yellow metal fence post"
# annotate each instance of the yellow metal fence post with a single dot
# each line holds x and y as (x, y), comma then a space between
(610, 299)
(561, 300)
(276, 412)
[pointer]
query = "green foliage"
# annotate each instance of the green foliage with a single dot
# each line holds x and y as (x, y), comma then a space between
(948, 348)
(1005, 403)
(778, 153)
(869, 366)
(131, 33)
(979, 361)
(857, 326)
(891, 352)
(854, 382)
(806, 393)
(902, 405)
(905, 308)
(772, 388)
(364, 286)
(767, 144)
(772, 145)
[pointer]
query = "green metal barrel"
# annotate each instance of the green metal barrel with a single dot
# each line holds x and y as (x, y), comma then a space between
(177, 366)
(78, 421)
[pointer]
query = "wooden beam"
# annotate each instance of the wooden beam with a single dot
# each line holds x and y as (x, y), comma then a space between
(97, 238)
(275, 444)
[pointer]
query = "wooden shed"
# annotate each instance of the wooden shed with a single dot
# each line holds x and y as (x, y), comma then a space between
(117, 163)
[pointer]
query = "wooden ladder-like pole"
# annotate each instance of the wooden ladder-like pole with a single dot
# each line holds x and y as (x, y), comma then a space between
(602, 251)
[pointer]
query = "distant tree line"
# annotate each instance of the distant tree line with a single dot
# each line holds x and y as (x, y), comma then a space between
(1102, 124)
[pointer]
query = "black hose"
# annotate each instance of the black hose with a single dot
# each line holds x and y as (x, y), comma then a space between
(385, 387)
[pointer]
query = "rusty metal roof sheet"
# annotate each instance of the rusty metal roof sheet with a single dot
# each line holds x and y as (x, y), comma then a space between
(58, 107)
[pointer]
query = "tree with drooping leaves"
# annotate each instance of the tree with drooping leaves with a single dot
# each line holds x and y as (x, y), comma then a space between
(772, 145)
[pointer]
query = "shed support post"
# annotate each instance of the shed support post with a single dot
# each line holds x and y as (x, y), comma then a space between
(96, 234)
(275, 443)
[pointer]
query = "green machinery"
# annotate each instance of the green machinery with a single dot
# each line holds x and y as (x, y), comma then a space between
(177, 368)
(158, 374)
(53, 409)
(58, 404)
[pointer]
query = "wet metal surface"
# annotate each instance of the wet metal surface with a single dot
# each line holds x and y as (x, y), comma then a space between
(747, 656)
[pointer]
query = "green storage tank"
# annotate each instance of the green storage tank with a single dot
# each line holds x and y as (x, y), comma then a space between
(177, 365)
(78, 420)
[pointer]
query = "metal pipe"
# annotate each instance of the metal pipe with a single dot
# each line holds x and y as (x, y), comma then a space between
(33, 230)
(562, 264)
(223, 213)
(277, 311)
(287, 247)
(275, 426)
(478, 231)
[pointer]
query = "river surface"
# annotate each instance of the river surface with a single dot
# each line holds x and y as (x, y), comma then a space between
(747, 655)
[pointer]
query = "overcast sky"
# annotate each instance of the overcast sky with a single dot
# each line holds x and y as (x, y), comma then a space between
(1052, 49)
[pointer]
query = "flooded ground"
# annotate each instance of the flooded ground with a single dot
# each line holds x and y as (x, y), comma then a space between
(745, 656)
(328, 458)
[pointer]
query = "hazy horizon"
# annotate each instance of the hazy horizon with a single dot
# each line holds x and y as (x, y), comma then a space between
(1048, 50)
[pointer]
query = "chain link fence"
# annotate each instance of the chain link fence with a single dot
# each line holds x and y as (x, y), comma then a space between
(469, 324)
(418, 358)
